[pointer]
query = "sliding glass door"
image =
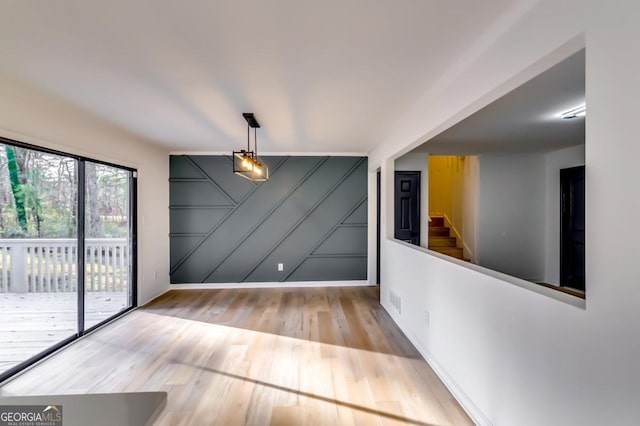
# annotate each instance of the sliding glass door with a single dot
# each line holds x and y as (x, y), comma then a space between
(107, 240)
(38, 247)
(66, 257)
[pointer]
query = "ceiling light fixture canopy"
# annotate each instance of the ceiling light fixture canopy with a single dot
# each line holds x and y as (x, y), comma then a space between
(579, 111)
(246, 163)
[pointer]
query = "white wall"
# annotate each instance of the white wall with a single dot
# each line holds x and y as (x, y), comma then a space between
(511, 215)
(470, 200)
(453, 193)
(30, 116)
(440, 184)
(514, 356)
(419, 162)
(554, 161)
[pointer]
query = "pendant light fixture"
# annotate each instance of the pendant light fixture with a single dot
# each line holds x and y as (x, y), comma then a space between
(246, 163)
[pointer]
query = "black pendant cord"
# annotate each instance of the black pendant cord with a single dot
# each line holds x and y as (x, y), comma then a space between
(247, 163)
(255, 140)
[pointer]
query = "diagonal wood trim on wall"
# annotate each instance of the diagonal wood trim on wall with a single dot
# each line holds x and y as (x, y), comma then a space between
(311, 216)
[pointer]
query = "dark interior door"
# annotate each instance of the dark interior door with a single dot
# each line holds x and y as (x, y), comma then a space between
(407, 207)
(572, 228)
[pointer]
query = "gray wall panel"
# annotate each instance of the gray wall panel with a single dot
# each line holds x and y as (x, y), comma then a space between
(180, 246)
(337, 206)
(218, 172)
(195, 220)
(299, 211)
(237, 226)
(182, 168)
(275, 227)
(345, 239)
(196, 193)
(359, 216)
(331, 269)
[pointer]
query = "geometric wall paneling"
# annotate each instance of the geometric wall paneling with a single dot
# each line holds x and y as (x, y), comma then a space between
(189, 221)
(218, 172)
(337, 204)
(182, 168)
(350, 240)
(196, 193)
(181, 245)
(337, 269)
(236, 229)
(253, 227)
(359, 216)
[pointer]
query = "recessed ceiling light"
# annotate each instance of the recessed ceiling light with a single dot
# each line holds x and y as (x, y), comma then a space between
(579, 111)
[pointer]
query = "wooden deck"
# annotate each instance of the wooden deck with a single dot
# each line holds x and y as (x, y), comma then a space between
(33, 322)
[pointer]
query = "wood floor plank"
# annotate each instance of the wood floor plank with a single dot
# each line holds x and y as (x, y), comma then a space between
(303, 356)
(285, 416)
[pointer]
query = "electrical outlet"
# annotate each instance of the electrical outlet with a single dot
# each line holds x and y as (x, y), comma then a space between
(280, 267)
(426, 318)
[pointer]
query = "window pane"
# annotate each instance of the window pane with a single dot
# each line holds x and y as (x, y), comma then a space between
(107, 242)
(38, 241)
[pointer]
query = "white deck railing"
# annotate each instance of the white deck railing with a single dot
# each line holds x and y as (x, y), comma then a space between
(43, 265)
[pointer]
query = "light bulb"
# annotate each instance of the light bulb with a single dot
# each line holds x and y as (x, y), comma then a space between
(245, 163)
(257, 169)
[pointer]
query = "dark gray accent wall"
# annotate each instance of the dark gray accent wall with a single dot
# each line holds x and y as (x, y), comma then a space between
(311, 216)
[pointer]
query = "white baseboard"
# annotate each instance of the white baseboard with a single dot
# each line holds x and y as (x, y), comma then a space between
(463, 399)
(276, 284)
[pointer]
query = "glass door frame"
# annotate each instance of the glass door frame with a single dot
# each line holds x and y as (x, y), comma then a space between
(81, 250)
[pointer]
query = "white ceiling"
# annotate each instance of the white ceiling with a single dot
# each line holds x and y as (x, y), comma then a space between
(524, 120)
(330, 75)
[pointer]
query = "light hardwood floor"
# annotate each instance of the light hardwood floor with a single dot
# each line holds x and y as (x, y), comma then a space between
(325, 356)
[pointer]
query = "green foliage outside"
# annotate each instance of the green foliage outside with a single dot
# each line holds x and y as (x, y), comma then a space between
(38, 196)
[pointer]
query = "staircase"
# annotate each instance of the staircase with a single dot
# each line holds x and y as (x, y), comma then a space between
(441, 241)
